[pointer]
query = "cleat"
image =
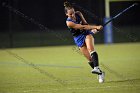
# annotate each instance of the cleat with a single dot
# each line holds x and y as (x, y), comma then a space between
(101, 77)
(96, 71)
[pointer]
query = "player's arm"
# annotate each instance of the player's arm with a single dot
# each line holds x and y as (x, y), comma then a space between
(84, 22)
(81, 27)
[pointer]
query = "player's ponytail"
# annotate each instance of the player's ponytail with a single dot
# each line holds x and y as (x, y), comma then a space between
(67, 6)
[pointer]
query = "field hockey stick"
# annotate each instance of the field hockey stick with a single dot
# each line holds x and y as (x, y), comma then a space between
(120, 14)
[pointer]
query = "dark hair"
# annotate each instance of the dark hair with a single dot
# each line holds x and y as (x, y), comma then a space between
(67, 6)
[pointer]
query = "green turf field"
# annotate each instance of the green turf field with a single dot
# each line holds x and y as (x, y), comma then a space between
(62, 69)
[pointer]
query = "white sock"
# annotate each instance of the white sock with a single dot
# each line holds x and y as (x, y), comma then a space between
(92, 52)
(96, 67)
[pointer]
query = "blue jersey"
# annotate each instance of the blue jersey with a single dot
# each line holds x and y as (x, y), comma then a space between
(79, 35)
(78, 21)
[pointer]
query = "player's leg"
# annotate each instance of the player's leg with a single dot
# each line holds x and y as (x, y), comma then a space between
(94, 56)
(85, 52)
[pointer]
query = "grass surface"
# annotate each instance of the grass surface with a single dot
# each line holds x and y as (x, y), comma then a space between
(63, 70)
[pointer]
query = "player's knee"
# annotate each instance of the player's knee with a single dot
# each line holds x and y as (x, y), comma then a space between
(89, 58)
(90, 49)
(87, 55)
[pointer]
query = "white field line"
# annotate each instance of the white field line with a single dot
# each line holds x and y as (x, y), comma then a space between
(79, 88)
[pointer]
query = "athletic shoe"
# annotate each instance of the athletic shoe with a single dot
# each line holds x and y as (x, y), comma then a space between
(96, 71)
(101, 77)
